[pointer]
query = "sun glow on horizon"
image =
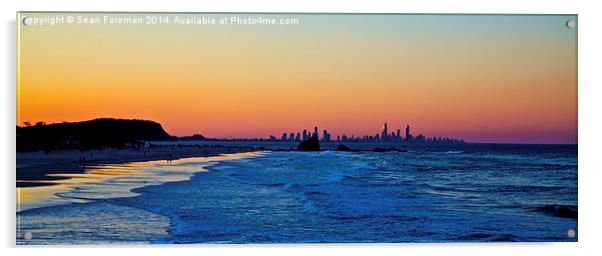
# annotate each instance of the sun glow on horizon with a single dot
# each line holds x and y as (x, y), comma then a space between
(483, 78)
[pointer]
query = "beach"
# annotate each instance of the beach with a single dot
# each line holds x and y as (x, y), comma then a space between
(34, 168)
(485, 193)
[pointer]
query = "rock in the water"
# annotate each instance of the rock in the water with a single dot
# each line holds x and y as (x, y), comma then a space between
(564, 211)
(342, 147)
(312, 144)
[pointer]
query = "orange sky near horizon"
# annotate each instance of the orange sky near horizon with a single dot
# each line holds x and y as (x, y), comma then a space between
(478, 77)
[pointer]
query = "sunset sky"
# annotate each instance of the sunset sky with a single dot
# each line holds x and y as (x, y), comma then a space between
(479, 77)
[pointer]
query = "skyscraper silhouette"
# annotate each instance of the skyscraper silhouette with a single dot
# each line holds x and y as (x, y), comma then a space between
(385, 133)
(326, 136)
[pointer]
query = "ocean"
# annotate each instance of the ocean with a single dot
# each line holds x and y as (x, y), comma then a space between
(462, 193)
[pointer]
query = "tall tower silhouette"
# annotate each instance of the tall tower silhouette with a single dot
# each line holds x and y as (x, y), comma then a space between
(385, 133)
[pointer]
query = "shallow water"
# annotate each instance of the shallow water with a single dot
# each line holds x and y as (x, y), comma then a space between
(465, 194)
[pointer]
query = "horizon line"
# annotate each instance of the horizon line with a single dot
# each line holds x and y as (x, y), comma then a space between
(309, 131)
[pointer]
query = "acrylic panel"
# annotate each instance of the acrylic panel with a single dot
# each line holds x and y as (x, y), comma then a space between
(295, 128)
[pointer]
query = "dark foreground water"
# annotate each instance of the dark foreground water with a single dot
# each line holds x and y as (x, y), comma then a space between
(468, 193)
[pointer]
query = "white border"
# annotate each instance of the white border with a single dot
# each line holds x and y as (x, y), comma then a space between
(590, 108)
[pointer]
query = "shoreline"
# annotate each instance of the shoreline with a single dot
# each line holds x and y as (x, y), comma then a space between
(33, 168)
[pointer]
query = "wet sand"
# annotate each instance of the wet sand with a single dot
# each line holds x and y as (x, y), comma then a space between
(33, 167)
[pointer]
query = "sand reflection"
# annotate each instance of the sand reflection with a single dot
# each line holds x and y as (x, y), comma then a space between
(113, 180)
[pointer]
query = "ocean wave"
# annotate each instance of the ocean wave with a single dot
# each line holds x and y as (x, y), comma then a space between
(277, 184)
(425, 169)
(309, 205)
(310, 208)
(492, 188)
(315, 193)
(292, 187)
(355, 172)
(561, 165)
(488, 237)
(454, 152)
